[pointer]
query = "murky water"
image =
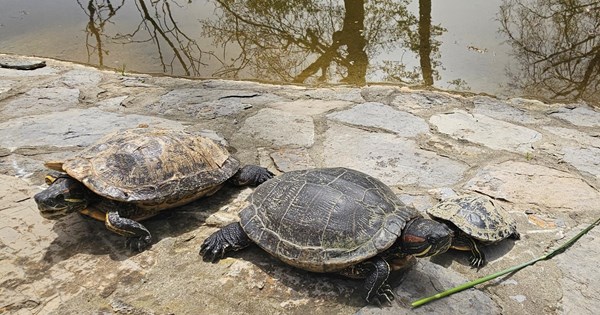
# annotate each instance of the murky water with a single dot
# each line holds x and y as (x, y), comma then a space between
(544, 49)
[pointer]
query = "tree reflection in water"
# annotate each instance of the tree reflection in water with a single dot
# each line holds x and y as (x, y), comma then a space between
(177, 52)
(302, 41)
(98, 13)
(315, 41)
(557, 45)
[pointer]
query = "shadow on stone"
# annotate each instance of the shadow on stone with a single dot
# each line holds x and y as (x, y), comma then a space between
(426, 279)
(329, 288)
(81, 234)
(492, 252)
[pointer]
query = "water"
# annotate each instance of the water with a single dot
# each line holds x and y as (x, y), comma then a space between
(545, 49)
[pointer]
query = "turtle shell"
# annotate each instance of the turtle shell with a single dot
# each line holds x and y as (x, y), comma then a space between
(478, 216)
(153, 168)
(324, 220)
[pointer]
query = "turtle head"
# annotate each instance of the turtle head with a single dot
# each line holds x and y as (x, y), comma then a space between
(423, 237)
(63, 196)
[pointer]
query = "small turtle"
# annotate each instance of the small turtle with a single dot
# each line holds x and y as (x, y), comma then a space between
(476, 221)
(332, 220)
(133, 174)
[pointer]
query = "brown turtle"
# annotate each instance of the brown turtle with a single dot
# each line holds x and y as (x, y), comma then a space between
(133, 174)
(476, 221)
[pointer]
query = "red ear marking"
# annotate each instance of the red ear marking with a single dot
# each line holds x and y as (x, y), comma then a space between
(413, 239)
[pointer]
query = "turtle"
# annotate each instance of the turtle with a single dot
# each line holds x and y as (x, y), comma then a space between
(476, 220)
(336, 220)
(133, 174)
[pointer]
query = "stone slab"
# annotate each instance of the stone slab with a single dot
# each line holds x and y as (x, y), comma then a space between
(392, 159)
(74, 127)
(291, 159)
(280, 128)
(201, 103)
(492, 133)
(502, 110)
(382, 116)
(549, 189)
(40, 100)
(584, 159)
(309, 107)
(580, 276)
(570, 135)
(579, 116)
(423, 100)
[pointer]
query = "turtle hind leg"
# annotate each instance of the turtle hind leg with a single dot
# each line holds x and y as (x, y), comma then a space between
(515, 236)
(138, 237)
(230, 238)
(378, 290)
(251, 175)
(463, 242)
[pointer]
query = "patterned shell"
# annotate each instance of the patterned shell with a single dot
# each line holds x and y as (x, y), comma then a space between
(478, 216)
(153, 168)
(324, 220)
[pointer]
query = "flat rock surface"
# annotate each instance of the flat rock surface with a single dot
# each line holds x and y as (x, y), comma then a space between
(378, 115)
(539, 161)
(579, 116)
(492, 133)
(544, 187)
(393, 159)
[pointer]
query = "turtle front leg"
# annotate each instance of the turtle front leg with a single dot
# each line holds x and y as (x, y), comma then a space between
(378, 290)
(251, 175)
(138, 237)
(477, 259)
(230, 238)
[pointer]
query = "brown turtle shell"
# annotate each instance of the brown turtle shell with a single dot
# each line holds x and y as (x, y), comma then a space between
(324, 220)
(478, 216)
(154, 169)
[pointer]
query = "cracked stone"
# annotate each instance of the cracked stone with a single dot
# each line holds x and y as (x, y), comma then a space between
(579, 116)
(382, 116)
(309, 107)
(41, 100)
(525, 183)
(392, 159)
(492, 133)
(75, 127)
(291, 159)
(501, 110)
(280, 128)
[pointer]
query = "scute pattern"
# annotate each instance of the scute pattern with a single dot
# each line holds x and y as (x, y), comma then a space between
(324, 219)
(153, 168)
(477, 216)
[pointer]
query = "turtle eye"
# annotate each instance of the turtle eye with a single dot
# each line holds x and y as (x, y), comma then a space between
(49, 179)
(60, 197)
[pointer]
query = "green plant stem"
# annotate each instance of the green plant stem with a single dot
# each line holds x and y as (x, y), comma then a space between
(475, 282)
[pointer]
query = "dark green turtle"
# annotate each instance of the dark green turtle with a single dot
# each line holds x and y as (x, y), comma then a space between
(332, 220)
(133, 174)
(476, 221)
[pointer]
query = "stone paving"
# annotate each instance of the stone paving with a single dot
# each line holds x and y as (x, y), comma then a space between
(541, 161)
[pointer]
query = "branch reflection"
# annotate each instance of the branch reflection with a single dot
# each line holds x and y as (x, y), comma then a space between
(176, 50)
(98, 13)
(314, 41)
(557, 45)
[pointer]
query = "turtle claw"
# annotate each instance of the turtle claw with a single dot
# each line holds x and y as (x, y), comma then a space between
(138, 244)
(231, 237)
(210, 251)
(263, 177)
(252, 175)
(476, 262)
(213, 249)
(383, 295)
